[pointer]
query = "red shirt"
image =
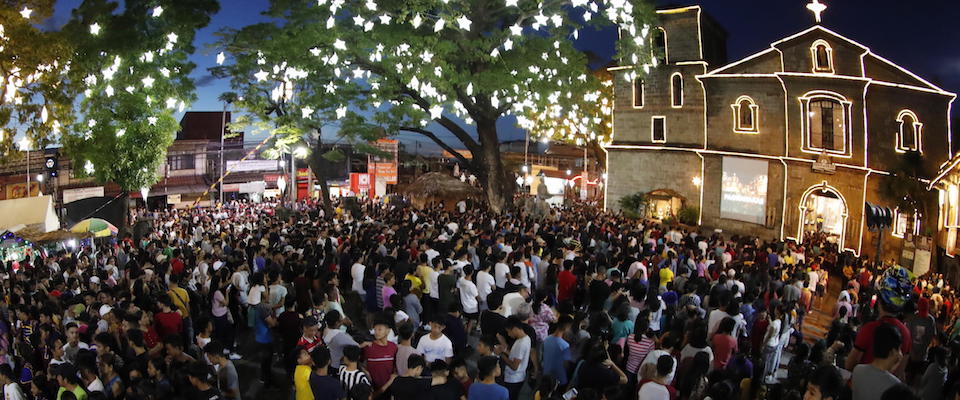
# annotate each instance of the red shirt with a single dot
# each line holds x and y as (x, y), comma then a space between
(176, 266)
(308, 344)
(864, 340)
(168, 323)
(381, 361)
(723, 348)
(566, 281)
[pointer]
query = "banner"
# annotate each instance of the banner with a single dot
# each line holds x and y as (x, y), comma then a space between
(385, 168)
(19, 190)
(71, 195)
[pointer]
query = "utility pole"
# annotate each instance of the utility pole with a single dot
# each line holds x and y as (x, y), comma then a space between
(223, 132)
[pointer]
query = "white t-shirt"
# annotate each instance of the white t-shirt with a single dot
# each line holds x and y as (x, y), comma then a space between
(12, 391)
(432, 350)
(653, 357)
(256, 294)
(773, 330)
(500, 272)
(521, 351)
(512, 301)
(654, 391)
(356, 272)
(485, 284)
(468, 296)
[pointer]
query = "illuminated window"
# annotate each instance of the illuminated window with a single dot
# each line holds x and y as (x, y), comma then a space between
(637, 93)
(745, 115)
(826, 125)
(909, 132)
(659, 40)
(904, 222)
(658, 129)
(822, 55)
(676, 90)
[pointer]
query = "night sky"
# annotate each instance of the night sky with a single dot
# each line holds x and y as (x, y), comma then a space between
(921, 38)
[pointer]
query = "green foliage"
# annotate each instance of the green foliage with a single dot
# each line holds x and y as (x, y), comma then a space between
(688, 215)
(905, 185)
(630, 204)
(410, 66)
(121, 67)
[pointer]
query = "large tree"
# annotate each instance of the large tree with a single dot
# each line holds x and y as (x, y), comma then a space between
(433, 67)
(106, 84)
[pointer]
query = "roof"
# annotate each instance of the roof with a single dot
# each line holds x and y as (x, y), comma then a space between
(31, 213)
(743, 65)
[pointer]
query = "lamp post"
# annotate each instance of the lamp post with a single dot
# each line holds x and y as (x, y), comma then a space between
(282, 185)
(25, 145)
(144, 192)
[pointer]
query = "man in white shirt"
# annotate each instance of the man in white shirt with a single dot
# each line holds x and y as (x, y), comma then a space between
(435, 345)
(501, 271)
(485, 285)
(656, 389)
(356, 272)
(468, 297)
(517, 358)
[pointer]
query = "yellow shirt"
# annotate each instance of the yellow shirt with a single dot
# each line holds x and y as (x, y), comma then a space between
(301, 382)
(181, 300)
(424, 272)
(666, 276)
(415, 283)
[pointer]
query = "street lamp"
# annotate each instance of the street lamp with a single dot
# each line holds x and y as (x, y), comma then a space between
(39, 177)
(25, 146)
(282, 185)
(144, 192)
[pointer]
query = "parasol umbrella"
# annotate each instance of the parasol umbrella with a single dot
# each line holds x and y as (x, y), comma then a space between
(96, 226)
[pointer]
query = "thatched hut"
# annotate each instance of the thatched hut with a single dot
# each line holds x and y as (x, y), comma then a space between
(434, 187)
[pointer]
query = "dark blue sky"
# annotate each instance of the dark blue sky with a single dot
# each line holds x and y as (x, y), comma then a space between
(920, 36)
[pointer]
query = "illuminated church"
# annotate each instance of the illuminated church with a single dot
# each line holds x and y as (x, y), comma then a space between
(787, 143)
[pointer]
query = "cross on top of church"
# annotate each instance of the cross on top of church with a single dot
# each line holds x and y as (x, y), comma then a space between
(816, 7)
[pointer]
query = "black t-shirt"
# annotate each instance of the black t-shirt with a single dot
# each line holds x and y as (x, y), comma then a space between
(209, 394)
(597, 376)
(492, 323)
(326, 387)
(599, 292)
(408, 387)
(448, 391)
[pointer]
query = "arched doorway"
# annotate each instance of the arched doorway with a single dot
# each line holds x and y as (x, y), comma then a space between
(823, 213)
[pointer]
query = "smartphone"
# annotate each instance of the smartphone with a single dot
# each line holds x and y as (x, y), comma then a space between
(570, 394)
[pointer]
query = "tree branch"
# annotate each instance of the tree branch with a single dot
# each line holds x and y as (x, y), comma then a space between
(441, 143)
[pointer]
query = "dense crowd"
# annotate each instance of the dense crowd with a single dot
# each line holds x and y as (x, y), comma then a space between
(381, 301)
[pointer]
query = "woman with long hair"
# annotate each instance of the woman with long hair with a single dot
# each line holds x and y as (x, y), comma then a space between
(693, 384)
(638, 344)
(542, 315)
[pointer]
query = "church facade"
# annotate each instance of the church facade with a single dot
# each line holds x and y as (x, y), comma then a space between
(787, 143)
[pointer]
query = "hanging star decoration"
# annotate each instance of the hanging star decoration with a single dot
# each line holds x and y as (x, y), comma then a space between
(370, 52)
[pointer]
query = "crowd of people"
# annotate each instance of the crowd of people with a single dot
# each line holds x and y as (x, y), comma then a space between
(383, 301)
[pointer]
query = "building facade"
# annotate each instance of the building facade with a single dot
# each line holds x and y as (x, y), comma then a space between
(786, 143)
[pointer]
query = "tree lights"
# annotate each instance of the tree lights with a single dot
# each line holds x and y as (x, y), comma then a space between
(413, 67)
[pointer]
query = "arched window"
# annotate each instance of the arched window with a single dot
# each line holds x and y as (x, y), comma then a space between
(659, 41)
(826, 123)
(745, 115)
(822, 55)
(638, 93)
(905, 222)
(909, 132)
(676, 90)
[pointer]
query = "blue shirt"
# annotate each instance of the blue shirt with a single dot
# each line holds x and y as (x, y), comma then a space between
(483, 391)
(555, 352)
(261, 329)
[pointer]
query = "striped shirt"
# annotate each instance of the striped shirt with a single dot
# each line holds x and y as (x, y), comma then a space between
(349, 379)
(638, 351)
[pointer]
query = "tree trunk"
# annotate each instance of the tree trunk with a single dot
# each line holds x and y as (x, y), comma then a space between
(496, 186)
(319, 172)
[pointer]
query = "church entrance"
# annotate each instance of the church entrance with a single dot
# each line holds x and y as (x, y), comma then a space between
(663, 204)
(823, 215)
